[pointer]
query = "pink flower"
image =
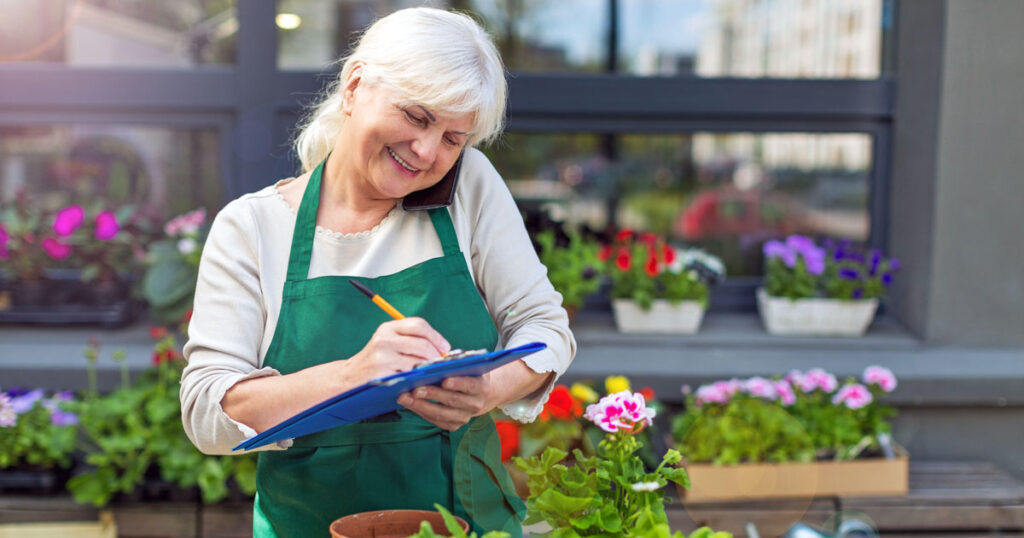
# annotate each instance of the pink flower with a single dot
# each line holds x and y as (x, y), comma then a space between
(55, 249)
(4, 239)
(106, 226)
(854, 396)
(622, 411)
(818, 379)
(8, 417)
(760, 388)
(786, 395)
(68, 219)
(712, 394)
(794, 377)
(881, 376)
(186, 224)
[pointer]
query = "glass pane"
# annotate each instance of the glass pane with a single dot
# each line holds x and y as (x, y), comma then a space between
(163, 171)
(752, 38)
(727, 193)
(119, 33)
(533, 35)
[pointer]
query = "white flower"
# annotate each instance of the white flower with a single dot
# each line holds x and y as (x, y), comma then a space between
(187, 246)
(645, 486)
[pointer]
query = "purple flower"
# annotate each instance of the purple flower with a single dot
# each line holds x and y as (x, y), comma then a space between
(854, 396)
(886, 278)
(63, 418)
(25, 402)
(881, 376)
(839, 254)
(106, 226)
(849, 273)
(774, 249)
(68, 219)
(876, 258)
(857, 293)
(894, 264)
(800, 243)
(8, 417)
(815, 261)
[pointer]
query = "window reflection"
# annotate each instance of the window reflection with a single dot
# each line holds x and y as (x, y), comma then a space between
(727, 193)
(119, 33)
(165, 171)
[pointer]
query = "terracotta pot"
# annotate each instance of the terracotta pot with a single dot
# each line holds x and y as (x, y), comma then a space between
(389, 524)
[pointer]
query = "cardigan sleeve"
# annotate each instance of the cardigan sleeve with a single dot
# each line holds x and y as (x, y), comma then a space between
(513, 282)
(225, 331)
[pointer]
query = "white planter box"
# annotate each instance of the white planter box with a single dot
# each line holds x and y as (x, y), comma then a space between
(663, 317)
(815, 317)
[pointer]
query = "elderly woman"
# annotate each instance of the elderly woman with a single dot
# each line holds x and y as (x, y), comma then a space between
(277, 328)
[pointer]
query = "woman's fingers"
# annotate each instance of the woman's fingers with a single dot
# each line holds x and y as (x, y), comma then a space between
(419, 328)
(442, 416)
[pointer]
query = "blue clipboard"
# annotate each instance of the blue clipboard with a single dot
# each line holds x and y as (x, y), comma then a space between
(380, 395)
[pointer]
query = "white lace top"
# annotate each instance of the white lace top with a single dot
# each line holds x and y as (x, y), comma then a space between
(242, 274)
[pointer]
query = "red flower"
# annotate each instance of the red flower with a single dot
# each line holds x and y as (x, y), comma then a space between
(649, 238)
(605, 253)
(623, 260)
(651, 268)
(648, 393)
(561, 405)
(669, 254)
(167, 355)
(508, 434)
(624, 234)
(157, 333)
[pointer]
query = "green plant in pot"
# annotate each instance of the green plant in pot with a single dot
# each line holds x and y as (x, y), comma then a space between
(572, 267)
(37, 438)
(172, 267)
(135, 432)
(24, 233)
(609, 494)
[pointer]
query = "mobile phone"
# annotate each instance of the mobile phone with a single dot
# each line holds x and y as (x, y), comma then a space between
(439, 194)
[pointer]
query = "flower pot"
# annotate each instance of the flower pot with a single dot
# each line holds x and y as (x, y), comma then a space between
(30, 293)
(815, 317)
(390, 524)
(663, 317)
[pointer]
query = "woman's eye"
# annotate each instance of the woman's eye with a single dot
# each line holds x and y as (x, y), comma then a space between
(416, 120)
(451, 141)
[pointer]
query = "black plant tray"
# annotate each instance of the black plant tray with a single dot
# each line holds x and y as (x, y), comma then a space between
(42, 481)
(110, 316)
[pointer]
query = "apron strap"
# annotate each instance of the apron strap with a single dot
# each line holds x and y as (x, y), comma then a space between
(445, 230)
(305, 228)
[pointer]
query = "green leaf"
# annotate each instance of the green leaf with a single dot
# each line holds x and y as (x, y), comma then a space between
(167, 283)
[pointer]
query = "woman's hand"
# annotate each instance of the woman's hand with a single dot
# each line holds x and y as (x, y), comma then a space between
(397, 346)
(457, 401)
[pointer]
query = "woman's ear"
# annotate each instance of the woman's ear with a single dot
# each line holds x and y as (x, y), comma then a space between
(348, 92)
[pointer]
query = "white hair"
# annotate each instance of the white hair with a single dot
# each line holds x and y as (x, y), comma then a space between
(440, 59)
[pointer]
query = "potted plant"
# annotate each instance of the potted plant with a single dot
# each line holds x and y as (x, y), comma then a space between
(172, 266)
(132, 438)
(656, 288)
(412, 523)
(572, 266)
(37, 439)
(821, 290)
(798, 436)
(611, 493)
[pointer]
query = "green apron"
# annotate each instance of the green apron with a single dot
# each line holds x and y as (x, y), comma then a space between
(397, 460)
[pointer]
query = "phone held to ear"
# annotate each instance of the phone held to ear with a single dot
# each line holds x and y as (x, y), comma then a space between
(439, 194)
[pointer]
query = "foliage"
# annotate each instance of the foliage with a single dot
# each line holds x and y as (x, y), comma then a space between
(99, 241)
(138, 427)
(172, 267)
(572, 265)
(454, 529)
(22, 228)
(798, 268)
(610, 494)
(35, 430)
(664, 273)
(802, 417)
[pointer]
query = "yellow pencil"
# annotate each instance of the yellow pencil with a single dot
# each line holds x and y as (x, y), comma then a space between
(378, 300)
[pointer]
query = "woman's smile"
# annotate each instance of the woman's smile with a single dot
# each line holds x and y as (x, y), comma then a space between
(402, 165)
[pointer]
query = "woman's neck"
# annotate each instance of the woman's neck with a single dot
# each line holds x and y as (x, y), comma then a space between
(344, 206)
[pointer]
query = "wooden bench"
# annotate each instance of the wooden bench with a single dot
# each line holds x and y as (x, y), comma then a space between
(956, 499)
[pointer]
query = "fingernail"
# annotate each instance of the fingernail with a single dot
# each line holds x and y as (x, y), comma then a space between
(421, 393)
(448, 384)
(447, 346)
(404, 399)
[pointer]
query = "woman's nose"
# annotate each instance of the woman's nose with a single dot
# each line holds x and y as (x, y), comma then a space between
(426, 147)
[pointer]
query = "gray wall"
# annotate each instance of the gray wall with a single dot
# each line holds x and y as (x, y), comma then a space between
(958, 172)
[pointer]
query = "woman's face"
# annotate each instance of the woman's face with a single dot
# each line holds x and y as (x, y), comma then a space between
(399, 147)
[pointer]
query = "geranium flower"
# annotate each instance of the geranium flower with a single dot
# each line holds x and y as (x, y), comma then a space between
(855, 396)
(785, 391)
(651, 267)
(68, 220)
(621, 411)
(713, 393)
(794, 377)
(881, 376)
(508, 434)
(106, 226)
(561, 405)
(648, 393)
(623, 261)
(818, 379)
(55, 249)
(605, 253)
(760, 388)
(624, 234)
(584, 393)
(186, 224)
(669, 254)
